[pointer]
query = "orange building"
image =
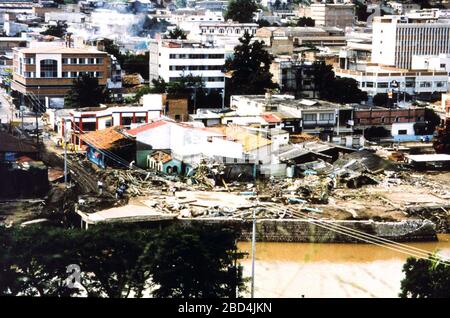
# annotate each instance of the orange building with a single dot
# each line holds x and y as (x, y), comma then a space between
(49, 71)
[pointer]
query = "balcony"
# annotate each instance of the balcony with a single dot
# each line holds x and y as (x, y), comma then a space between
(311, 124)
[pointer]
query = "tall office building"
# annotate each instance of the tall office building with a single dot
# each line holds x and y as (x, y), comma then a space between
(397, 38)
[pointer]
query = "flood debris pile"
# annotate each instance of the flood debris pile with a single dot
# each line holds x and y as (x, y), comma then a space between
(357, 186)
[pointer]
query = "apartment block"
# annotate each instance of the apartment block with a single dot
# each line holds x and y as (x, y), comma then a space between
(49, 71)
(396, 39)
(171, 59)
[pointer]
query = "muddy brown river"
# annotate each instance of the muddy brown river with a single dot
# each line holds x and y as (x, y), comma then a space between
(330, 270)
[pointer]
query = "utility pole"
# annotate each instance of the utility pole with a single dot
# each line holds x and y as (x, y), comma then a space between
(65, 153)
(337, 117)
(253, 253)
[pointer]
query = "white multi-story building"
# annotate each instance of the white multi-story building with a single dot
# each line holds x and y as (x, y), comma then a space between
(171, 59)
(227, 29)
(439, 62)
(397, 38)
(189, 19)
(383, 79)
(402, 8)
(225, 34)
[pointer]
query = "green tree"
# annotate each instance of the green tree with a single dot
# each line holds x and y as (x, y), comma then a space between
(33, 262)
(86, 92)
(277, 5)
(263, 23)
(159, 87)
(306, 22)
(113, 49)
(338, 90)
(176, 34)
(136, 63)
(241, 10)
(250, 68)
(58, 30)
(361, 11)
(425, 278)
(380, 99)
(112, 260)
(117, 260)
(196, 262)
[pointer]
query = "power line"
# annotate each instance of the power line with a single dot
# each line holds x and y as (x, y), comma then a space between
(387, 241)
(368, 238)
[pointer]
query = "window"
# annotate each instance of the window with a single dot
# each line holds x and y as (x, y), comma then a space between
(89, 126)
(99, 60)
(383, 85)
(82, 60)
(425, 84)
(140, 119)
(91, 60)
(369, 84)
(65, 60)
(126, 121)
(108, 123)
(402, 132)
(326, 116)
(216, 56)
(73, 61)
(443, 65)
(49, 68)
(28, 60)
(309, 117)
(65, 74)
(440, 84)
(100, 74)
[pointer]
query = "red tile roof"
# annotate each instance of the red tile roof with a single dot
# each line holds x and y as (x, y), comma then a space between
(104, 139)
(271, 118)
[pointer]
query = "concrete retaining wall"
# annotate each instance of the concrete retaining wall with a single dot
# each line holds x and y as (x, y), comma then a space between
(292, 230)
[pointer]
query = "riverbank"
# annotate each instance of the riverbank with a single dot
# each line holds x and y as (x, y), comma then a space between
(298, 230)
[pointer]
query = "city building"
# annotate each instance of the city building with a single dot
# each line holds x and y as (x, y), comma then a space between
(48, 71)
(171, 59)
(212, 30)
(294, 75)
(76, 122)
(313, 116)
(439, 62)
(403, 7)
(384, 79)
(300, 36)
(396, 39)
(405, 124)
(329, 14)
